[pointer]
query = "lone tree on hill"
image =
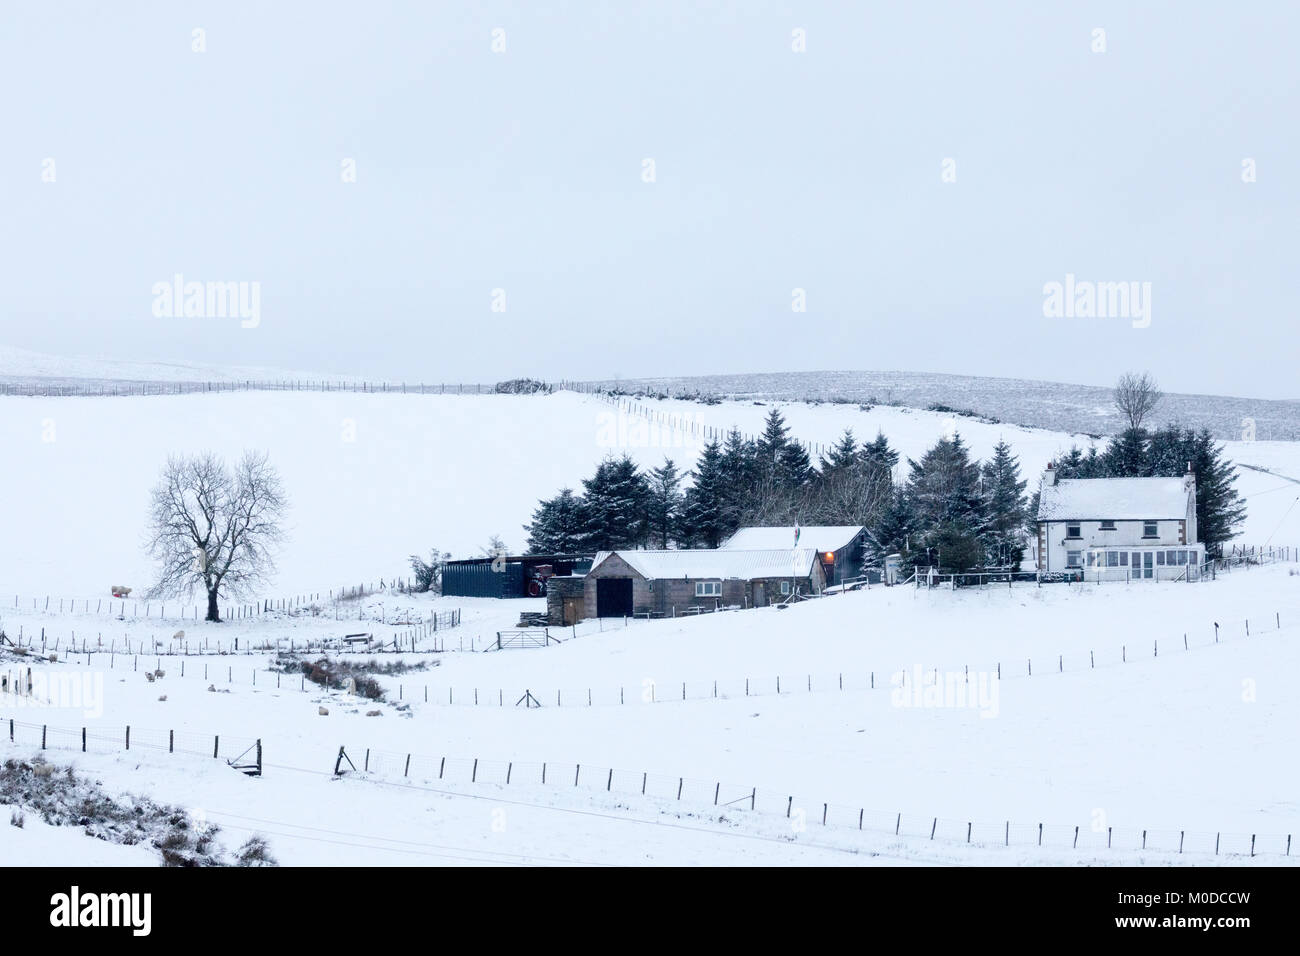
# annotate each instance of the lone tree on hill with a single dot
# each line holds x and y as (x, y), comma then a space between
(1136, 397)
(215, 528)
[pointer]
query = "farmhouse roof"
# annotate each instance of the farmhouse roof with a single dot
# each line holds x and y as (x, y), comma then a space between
(1120, 499)
(817, 537)
(720, 564)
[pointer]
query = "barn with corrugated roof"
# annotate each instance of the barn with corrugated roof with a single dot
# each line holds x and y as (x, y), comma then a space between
(841, 549)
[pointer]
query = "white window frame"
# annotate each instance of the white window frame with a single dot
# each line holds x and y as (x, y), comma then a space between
(1073, 559)
(709, 589)
(1078, 535)
(785, 587)
(1107, 525)
(1154, 525)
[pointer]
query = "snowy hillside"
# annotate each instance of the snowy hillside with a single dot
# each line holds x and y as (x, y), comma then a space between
(1126, 733)
(375, 478)
(1058, 406)
(24, 366)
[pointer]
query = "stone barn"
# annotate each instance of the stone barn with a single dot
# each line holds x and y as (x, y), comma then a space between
(674, 583)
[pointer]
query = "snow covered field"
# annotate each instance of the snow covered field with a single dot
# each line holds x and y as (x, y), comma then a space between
(1119, 730)
(1190, 740)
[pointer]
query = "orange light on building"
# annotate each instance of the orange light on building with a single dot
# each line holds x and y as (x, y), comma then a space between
(830, 556)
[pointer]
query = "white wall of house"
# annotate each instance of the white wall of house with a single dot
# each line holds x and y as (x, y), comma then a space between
(1065, 537)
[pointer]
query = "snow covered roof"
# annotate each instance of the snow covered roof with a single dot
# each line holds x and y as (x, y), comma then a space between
(719, 564)
(1120, 499)
(817, 537)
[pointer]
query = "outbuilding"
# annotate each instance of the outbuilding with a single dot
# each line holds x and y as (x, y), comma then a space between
(675, 583)
(841, 549)
(508, 576)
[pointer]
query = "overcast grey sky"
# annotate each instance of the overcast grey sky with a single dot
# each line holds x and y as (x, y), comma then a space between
(775, 170)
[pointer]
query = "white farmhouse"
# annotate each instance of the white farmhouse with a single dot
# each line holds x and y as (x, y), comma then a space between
(1117, 529)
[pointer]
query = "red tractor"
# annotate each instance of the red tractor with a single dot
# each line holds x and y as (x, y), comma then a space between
(538, 575)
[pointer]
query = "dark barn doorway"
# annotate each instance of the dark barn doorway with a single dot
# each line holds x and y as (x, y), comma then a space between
(613, 597)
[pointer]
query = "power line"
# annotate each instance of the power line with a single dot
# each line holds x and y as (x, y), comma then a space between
(412, 843)
(599, 814)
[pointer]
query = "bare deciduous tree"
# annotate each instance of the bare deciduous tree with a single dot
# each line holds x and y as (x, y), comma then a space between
(1136, 397)
(853, 497)
(213, 528)
(770, 504)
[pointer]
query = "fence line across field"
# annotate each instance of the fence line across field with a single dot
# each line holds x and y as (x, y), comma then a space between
(402, 643)
(123, 388)
(859, 679)
(314, 602)
(103, 740)
(406, 641)
(801, 813)
(954, 680)
(624, 401)
(804, 814)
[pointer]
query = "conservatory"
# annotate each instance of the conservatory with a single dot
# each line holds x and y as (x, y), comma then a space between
(1184, 562)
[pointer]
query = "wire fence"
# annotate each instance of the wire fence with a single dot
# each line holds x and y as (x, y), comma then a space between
(104, 740)
(425, 638)
(329, 604)
(685, 424)
(961, 685)
(105, 388)
(803, 813)
(1235, 557)
(960, 682)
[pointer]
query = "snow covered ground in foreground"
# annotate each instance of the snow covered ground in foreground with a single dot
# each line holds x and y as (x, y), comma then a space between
(1194, 740)
(36, 843)
(375, 478)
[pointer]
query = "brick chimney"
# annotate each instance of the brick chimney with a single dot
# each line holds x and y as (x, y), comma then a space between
(1049, 476)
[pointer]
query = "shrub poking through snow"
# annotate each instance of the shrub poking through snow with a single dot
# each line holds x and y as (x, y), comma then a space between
(59, 797)
(255, 852)
(343, 675)
(521, 386)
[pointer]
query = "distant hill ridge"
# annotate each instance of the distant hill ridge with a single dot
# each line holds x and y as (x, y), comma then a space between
(1056, 406)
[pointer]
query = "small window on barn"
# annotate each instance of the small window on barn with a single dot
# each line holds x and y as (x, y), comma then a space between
(1073, 529)
(1107, 525)
(785, 587)
(708, 588)
(1150, 528)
